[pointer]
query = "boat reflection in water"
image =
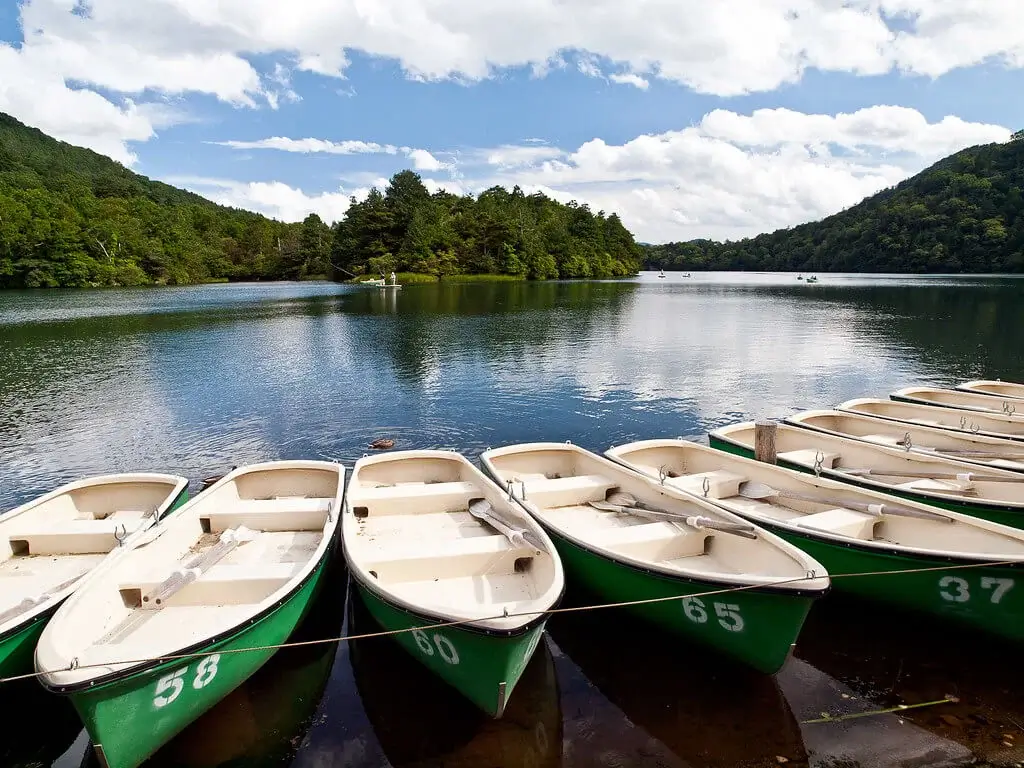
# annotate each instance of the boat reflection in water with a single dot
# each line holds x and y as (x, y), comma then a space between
(263, 722)
(891, 658)
(37, 727)
(696, 709)
(418, 720)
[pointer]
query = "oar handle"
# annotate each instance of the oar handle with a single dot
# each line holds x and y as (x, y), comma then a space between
(872, 509)
(965, 476)
(699, 521)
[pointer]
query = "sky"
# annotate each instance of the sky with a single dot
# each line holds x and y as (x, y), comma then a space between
(689, 118)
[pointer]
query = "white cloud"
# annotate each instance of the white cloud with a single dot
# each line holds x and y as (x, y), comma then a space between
(272, 198)
(736, 175)
(628, 78)
(725, 47)
(512, 156)
(312, 146)
(422, 160)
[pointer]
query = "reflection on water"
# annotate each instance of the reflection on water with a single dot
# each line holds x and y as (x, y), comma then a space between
(195, 380)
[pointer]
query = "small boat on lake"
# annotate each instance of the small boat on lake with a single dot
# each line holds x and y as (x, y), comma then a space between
(54, 541)
(955, 398)
(1004, 389)
(235, 568)
(1002, 425)
(856, 531)
(624, 539)
(430, 540)
(989, 493)
(976, 449)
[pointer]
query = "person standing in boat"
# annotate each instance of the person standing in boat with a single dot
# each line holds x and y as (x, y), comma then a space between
(393, 278)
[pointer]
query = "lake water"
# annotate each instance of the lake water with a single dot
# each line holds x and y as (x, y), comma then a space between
(196, 380)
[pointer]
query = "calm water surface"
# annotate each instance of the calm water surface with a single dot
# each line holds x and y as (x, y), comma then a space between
(196, 380)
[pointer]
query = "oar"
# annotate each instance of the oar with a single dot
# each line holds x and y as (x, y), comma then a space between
(762, 492)
(980, 454)
(693, 521)
(31, 602)
(192, 570)
(482, 510)
(965, 476)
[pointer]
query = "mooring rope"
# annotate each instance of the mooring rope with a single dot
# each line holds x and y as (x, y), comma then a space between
(809, 576)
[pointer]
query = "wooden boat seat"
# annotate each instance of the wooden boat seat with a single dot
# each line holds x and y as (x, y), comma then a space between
(808, 457)
(568, 491)
(654, 541)
(445, 559)
(72, 537)
(844, 522)
(222, 584)
(430, 498)
(284, 514)
(722, 484)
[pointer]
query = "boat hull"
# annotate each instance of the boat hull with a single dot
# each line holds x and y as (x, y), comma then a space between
(987, 598)
(757, 627)
(483, 666)
(991, 511)
(162, 700)
(18, 645)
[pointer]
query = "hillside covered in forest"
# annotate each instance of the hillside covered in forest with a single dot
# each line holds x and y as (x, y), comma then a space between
(963, 214)
(70, 217)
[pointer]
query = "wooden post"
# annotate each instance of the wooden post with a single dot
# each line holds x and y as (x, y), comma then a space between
(764, 441)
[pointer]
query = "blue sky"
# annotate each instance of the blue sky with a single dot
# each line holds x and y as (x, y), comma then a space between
(691, 119)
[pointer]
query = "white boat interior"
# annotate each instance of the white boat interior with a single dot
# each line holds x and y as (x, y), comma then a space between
(222, 559)
(945, 477)
(409, 535)
(955, 398)
(988, 424)
(977, 449)
(837, 512)
(556, 481)
(997, 388)
(50, 543)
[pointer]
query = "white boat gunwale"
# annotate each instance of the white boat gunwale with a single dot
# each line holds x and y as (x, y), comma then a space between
(913, 394)
(179, 485)
(802, 478)
(514, 625)
(803, 419)
(50, 678)
(723, 434)
(984, 386)
(755, 583)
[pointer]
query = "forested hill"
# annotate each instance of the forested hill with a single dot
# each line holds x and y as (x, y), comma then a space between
(963, 214)
(70, 217)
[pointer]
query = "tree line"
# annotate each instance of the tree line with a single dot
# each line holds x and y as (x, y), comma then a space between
(963, 214)
(70, 217)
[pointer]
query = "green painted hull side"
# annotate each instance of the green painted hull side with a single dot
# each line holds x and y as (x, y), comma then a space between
(756, 627)
(473, 663)
(132, 717)
(18, 648)
(991, 512)
(990, 599)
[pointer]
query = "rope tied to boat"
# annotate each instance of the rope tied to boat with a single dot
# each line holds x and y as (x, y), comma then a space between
(807, 576)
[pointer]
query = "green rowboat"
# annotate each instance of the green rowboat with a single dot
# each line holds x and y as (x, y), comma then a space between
(430, 540)
(688, 548)
(854, 531)
(999, 425)
(930, 441)
(235, 568)
(988, 493)
(54, 541)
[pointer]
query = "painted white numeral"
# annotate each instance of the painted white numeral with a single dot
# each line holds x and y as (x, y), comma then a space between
(169, 687)
(693, 607)
(729, 616)
(446, 649)
(1002, 586)
(423, 642)
(206, 670)
(954, 589)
